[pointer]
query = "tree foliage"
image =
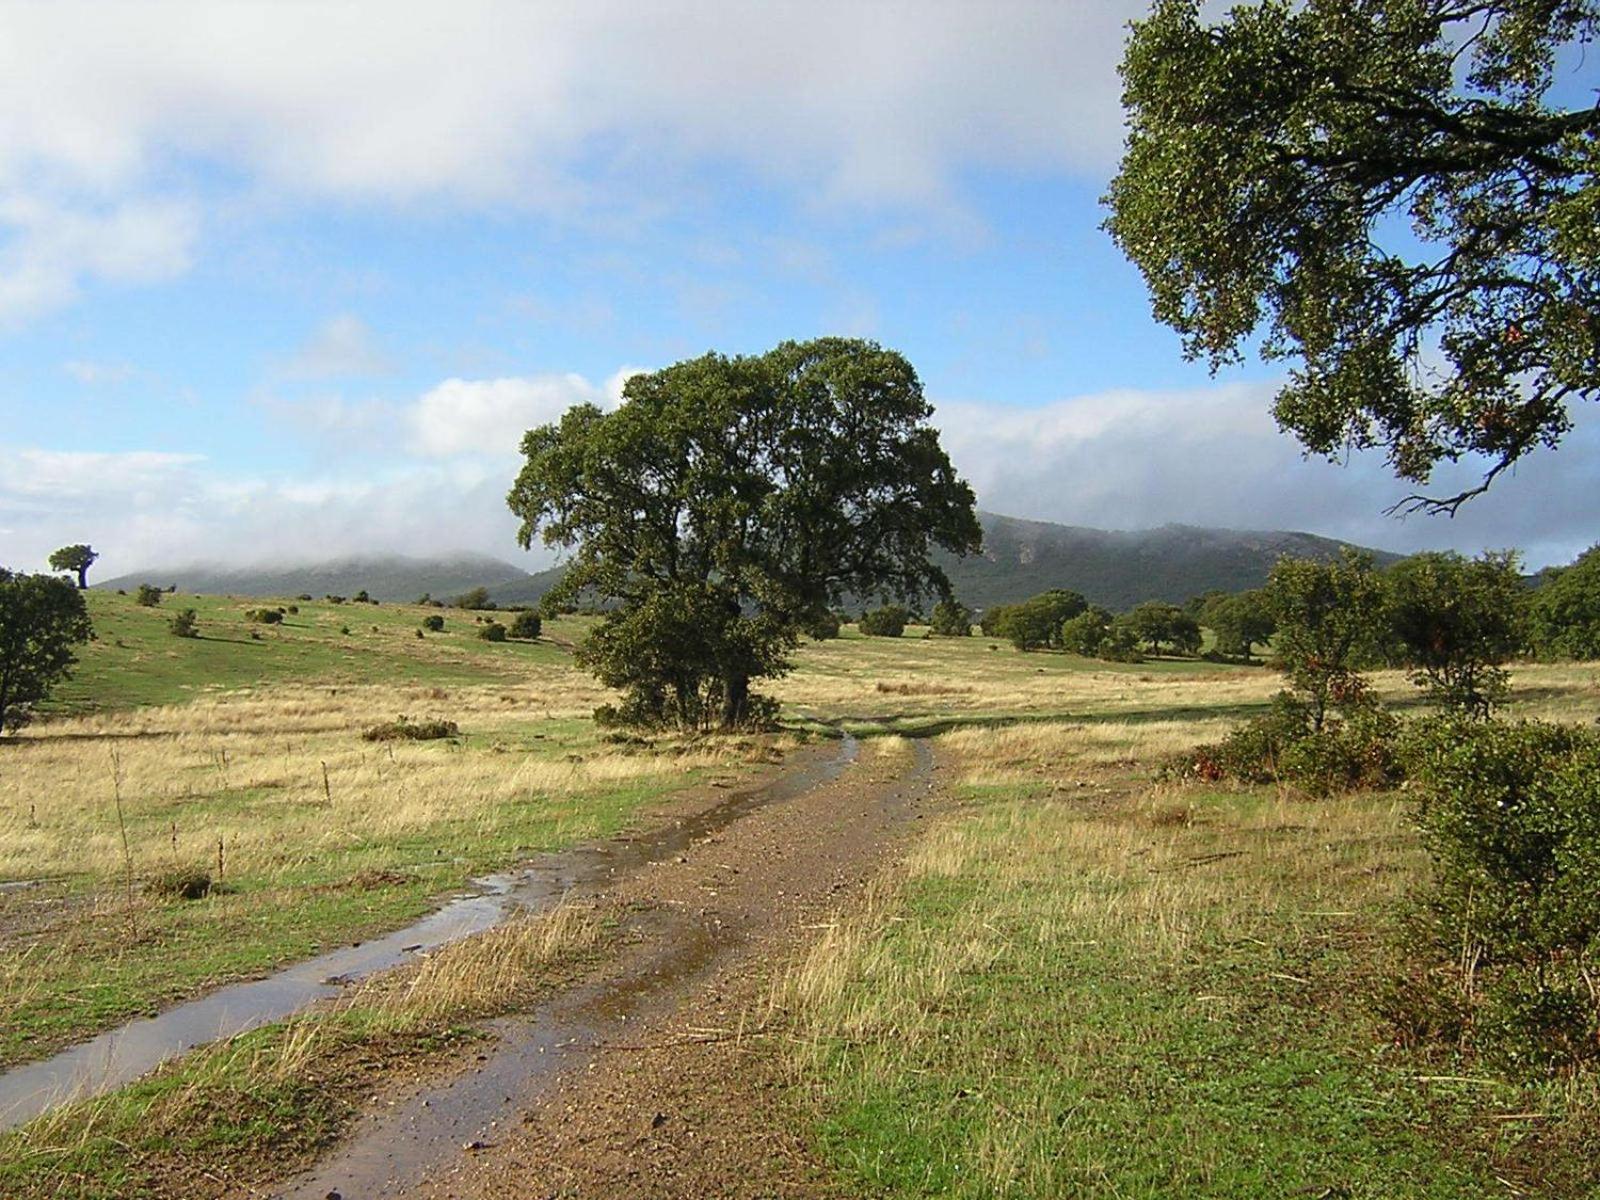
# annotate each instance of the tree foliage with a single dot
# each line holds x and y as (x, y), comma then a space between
(1327, 622)
(1240, 622)
(1454, 621)
(729, 500)
(1564, 614)
(950, 618)
(889, 621)
(1035, 623)
(1158, 624)
(41, 619)
(77, 559)
(1387, 193)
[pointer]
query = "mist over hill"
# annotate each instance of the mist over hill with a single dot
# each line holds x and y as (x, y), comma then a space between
(1020, 558)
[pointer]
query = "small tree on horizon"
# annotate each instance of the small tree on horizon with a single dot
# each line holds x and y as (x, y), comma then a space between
(42, 617)
(77, 559)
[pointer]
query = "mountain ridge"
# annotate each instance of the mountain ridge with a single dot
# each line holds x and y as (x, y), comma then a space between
(1021, 557)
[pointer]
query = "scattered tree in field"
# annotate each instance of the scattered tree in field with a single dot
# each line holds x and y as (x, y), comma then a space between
(1271, 154)
(889, 621)
(493, 631)
(823, 626)
(1564, 614)
(187, 625)
(527, 625)
(951, 618)
(77, 559)
(1035, 623)
(148, 595)
(1240, 622)
(1158, 624)
(477, 599)
(727, 502)
(1086, 633)
(433, 622)
(41, 619)
(1454, 622)
(1327, 617)
(264, 616)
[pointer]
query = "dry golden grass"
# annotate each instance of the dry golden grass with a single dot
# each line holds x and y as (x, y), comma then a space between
(285, 778)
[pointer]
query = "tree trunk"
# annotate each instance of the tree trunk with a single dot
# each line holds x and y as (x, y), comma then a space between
(735, 700)
(83, 579)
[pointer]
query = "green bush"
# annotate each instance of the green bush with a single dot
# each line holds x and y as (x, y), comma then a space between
(1283, 746)
(493, 632)
(264, 616)
(888, 621)
(1511, 817)
(951, 618)
(526, 625)
(148, 595)
(823, 626)
(185, 624)
(433, 622)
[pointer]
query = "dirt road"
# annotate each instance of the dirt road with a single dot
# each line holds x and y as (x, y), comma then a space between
(645, 1079)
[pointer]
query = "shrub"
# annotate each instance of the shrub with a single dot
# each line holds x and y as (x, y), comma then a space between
(433, 623)
(405, 729)
(951, 618)
(823, 626)
(1086, 633)
(888, 621)
(1284, 745)
(1511, 817)
(477, 598)
(361, 597)
(180, 883)
(148, 595)
(493, 632)
(332, 599)
(294, 608)
(304, 596)
(185, 625)
(264, 616)
(527, 625)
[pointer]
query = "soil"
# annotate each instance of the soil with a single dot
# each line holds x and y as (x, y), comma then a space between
(653, 1078)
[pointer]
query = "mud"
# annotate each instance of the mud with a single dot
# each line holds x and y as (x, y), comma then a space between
(621, 1085)
(132, 1050)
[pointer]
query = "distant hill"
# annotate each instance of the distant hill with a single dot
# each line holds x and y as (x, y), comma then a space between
(1118, 569)
(383, 577)
(1020, 559)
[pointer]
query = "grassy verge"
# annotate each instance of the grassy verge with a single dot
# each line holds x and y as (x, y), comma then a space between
(325, 838)
(223, 1120)
(1083, 986)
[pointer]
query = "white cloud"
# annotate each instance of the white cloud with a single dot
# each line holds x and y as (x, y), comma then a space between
(508, 102)
(49, 250)
(93, 374)
(1213, 456)
(343, 347)
(489, 416)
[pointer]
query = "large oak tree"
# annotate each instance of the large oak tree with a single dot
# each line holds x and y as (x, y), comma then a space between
(1390, 196)
(731, 500)
(42, 618)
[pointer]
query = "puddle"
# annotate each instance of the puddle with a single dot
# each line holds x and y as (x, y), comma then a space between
(132, 1050)
(391, 1151)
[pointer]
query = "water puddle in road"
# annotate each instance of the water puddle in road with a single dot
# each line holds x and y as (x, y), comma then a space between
(132, 1050)
(392, 1150)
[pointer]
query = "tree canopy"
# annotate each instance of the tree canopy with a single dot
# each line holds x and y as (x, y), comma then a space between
(1326, 615)
(730, 500)
(77, 559)
(41, 619)
(1386, 193)
(1454, 621)
(1565, 612)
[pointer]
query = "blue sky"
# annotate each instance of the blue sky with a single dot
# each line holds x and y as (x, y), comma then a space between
(283, 282)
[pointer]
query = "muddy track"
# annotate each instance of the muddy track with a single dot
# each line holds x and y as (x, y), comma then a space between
(636, 1081)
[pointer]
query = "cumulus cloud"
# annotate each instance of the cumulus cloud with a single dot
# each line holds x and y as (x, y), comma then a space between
(504, 101)
(489, 416)
(49, 250)
(1213, 456)
(342, 347)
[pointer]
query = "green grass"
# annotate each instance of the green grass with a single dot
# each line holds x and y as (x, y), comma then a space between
(1095, 999)
(135, 660)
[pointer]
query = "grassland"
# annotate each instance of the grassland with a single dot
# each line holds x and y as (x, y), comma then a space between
(322, 837)
(1082, 981)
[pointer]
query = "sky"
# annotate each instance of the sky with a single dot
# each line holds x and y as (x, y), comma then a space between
(288, 282)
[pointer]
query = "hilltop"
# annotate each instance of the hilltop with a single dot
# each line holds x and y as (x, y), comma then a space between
(1115, 568)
